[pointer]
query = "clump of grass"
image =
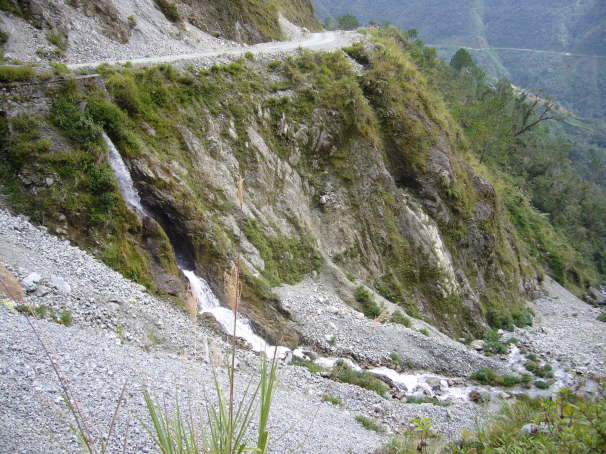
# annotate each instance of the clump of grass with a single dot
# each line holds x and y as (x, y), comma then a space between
(370, 424)
(424, 332)
(399, 318)
(602, 317)
(493, 344)
(16, 73)
(369, 306)
(427, 400)
(395, 358)
(541, 384)
(332, 400)
(544, 371)
(309, 365)
(489, 377)
(66, 318)
(59, 68)
(343, 374)
(169, 9)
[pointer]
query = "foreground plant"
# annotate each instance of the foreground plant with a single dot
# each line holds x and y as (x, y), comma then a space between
(225, 426)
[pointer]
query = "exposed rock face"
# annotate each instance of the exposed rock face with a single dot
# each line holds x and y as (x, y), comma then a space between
(364, 185)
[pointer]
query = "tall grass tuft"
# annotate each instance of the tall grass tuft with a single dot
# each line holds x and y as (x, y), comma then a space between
(225, 425)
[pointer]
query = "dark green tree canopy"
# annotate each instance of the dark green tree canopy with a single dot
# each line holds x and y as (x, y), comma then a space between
(462, 59)
(348, 22)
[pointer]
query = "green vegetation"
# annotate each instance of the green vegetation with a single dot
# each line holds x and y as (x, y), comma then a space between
(490, 377)
(309, 365)
(332, 400)
(424, 332)
(169, 9)
(544, 371)
(59, 68)
(3, 37)
(541, 384)
(343, 22)
(370, 308)
(399, 318)
(568, 424)
(343, 374)
(286, 259)
(493, 344)
(427, 400)
(370, 424)
(16, 73)
(602, 317)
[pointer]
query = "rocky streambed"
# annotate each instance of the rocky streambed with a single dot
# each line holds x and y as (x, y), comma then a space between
(121, 334)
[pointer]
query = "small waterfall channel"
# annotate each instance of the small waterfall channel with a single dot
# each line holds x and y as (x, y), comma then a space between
(207, 301)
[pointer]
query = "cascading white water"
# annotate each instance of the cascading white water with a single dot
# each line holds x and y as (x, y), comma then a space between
(207, 301)
(209, 304)
(125, 181)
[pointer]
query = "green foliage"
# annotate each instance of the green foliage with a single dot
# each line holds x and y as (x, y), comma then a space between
(65, 113)
(332, 400)
(286, 259)
(461, 59)
(370, 308)
(59, 68)
(16, 73)
(493, 344)
(602, 317)
(424, 332)
(544, 371)
(399, 318)
(574, 425)
(343, 374)
(427, 400)
(541, 384)
(489, 377)
(225, 426)
(309, 365)
(3, 37)
(169, 9)
(59, 40)
(370, 424)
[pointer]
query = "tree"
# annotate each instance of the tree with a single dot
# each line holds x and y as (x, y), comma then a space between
(348, 22)
(412, 34)
(462, 59)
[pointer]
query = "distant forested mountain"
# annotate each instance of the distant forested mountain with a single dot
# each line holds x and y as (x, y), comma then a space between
(554, 46)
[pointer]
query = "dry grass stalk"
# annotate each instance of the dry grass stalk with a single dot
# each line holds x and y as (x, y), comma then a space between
(10, 286)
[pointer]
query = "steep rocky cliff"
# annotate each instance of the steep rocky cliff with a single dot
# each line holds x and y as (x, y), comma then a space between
(352, 170)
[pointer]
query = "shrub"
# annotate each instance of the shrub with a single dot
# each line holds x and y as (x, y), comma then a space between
(65, 113)
(59, 40)
(544, 371)
(602, 317)
(499, 320)
(424, 332)
(3, 37)
(485, 376)
(370, 424)
(66, 318)
(522, 319)
(493, 344)
(427, 400)
(16, 73)
(399, 318)
(343, 374)
(332, 399)
(132, 22)
(170, 10)
(541, 384)
(309, 365)
(369, 307)
(249, 56)
(395, 358)
(59, 68)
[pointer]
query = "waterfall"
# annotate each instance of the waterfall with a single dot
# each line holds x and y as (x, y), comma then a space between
(207, 302)
(125, 181)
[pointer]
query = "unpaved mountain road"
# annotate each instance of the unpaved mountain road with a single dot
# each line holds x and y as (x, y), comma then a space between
(324, 41)
(515, 49)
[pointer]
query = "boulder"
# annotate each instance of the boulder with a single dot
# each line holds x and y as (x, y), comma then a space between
(478, 344)
(30, 283)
